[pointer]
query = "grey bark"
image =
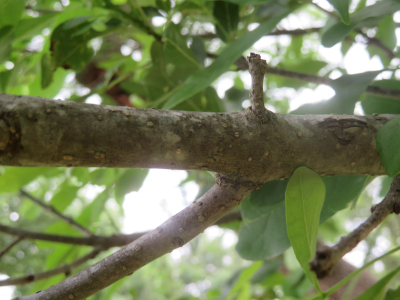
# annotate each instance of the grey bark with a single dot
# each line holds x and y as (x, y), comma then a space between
(41, 132)
(174, 233)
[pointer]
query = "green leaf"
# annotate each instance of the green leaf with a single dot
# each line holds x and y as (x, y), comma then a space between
(342, 7)
(249, 2)
(175, 48)
(304, 198)
(69, 49)
(348, 90)
(227, 16)
(6, 39)
(11, 11)
(380, 104)
(91, 213)
(354, 274)
(339, 31)
(28, 28)
(388, 144)
(263, 214)
(393, 294)
(130, 181)
(376, 291)
(15, 178)
(47, 70)
(64, 197)
(200, 79)
(340, 191)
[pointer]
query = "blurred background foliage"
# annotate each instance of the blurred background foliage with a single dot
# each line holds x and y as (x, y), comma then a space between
(185, 55)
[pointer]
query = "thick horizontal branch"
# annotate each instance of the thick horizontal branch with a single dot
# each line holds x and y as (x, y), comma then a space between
(327, 257)
(41, 132)
(174, 233)
(63, 269)
(57, 213)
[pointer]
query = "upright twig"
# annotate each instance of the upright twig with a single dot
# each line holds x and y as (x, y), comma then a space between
(257, 69)
(54, 211)
(327, 257)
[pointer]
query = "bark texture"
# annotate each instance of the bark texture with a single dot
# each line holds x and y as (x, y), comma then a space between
(42, 132)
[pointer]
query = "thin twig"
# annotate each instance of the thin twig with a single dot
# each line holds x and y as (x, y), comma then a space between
(57, 213)
(65, 268)
(242, 64)
(12, 244)
(95, 240)
(370, 41)
(257, 69)
(327, 257)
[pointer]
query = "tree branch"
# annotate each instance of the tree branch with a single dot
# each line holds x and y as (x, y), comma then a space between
(38, 132)
(94, 240)
(327, 257)
(12, 244)
(65, 268)
(242, 64)
(257, 69)
(174, 233)
(57, 213)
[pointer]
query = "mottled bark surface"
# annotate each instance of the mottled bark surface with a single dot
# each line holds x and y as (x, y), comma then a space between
(42, 132)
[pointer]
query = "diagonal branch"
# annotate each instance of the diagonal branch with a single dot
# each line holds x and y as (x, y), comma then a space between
(174, 233)
(57, 213)
(8, 247)
(65, 268)
(327, 257)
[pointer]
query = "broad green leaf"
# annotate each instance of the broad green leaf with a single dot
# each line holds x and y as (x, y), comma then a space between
(131, 180)
(227, 17)
(28, 28)
(342, 7)
(6, 39)
(380, 104)
(198, 49)
(65, 195)
(200, 79)
(339, 31)
(249, 2)
(47, 70)
(15, 178)
(386, 34)
(352, 275)
(11, 11)
(242, 285)
(175, 48)
(264, 221)
(388, 144)
(348, 90)
(53, 89)
(377, 291)
(340, 191)
(91, 213)
(393, 294)
(69, 49)
(304, 198)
